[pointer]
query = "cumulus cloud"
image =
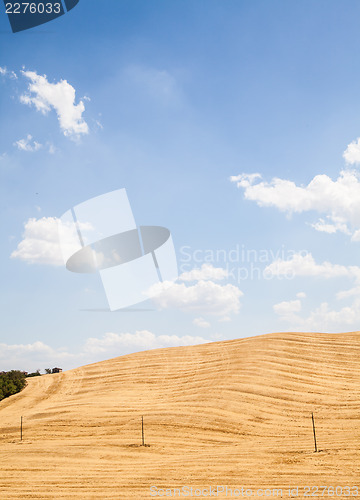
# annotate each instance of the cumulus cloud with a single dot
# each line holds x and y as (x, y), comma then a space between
(201, 323)
(206, 272)
(352, 152)
(326, 319)
(23, 348)
(202, 297)
(338, 200)
(33, 356)
(38, 355)
(205, 297)
(305, 265)
(28, 144)
(140, 340)
(60, 97)
(41, 245)
(287, 310)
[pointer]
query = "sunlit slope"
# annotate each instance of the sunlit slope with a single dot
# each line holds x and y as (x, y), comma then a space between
(234, 413)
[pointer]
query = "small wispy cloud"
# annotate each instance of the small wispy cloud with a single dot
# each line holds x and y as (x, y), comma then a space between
(201, 323)
(205, 272)
(140, 340)
(305, 265)
(10, 74)
(28, 144)
(158, 84)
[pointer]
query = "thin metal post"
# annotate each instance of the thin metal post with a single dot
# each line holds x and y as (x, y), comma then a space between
(21, 429)
(142, 430)
(313, 423)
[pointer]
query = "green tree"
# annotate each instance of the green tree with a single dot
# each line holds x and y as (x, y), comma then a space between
(11, 383)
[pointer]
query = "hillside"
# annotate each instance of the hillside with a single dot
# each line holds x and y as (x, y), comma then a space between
(234, 413)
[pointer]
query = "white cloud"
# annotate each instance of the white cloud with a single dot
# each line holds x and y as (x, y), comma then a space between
(205, 297)
(38, 355)
(116, 343)
(356, 235)
(352, 152)
(41, 245)
(224, 319)
(59, 96)
(206, 272)
(23, 348)
(201, 323)
(325, 319)
(28, 144)
(10, 74)
(98, 125)
(339, 200)
(305, 265)
(331, 225)
(30, 357)
(51, 148)
(345, 294)
(287, 309)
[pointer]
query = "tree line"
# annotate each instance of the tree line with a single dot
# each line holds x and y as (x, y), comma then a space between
(11, 383)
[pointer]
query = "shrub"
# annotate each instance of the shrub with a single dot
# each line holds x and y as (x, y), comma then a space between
(34, 374)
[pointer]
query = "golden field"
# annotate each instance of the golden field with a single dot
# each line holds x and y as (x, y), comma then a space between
(235, 413)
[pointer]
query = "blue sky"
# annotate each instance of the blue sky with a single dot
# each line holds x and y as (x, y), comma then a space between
(181, 103)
